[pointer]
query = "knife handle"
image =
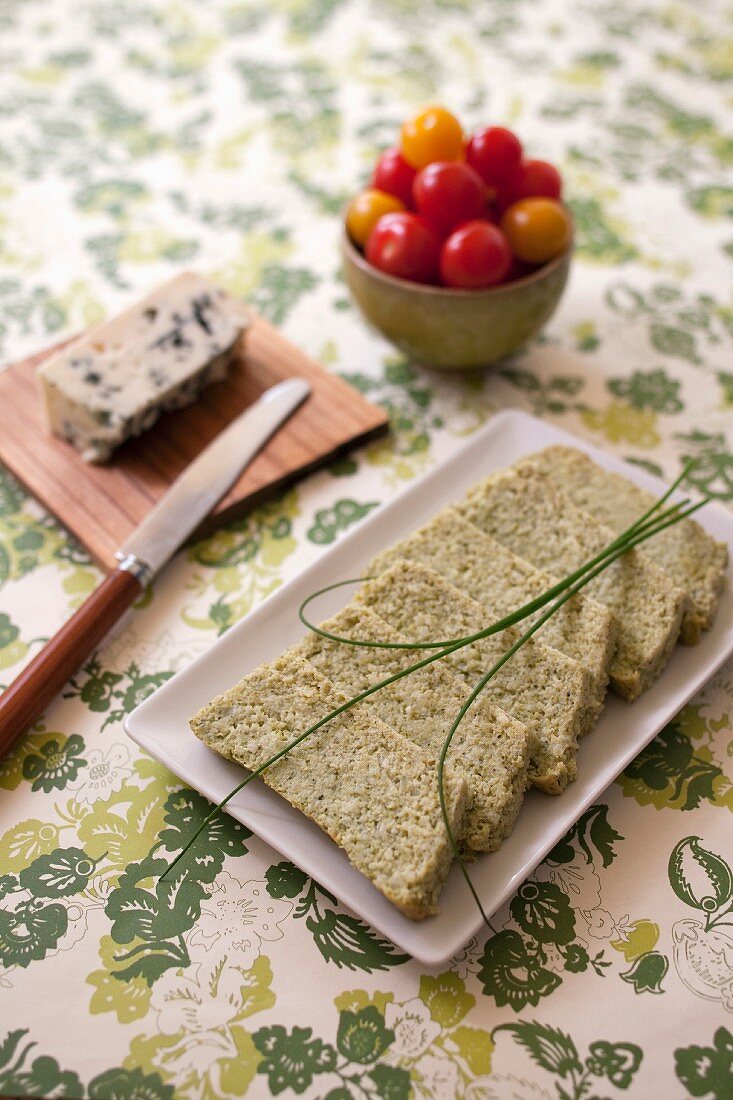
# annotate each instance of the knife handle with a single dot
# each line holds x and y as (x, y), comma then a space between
(43, 678)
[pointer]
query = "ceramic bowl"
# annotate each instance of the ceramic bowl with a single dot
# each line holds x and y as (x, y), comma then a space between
(455, 329)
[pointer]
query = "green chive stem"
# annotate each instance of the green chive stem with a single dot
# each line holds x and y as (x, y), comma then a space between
(514, 617)
(488, 676)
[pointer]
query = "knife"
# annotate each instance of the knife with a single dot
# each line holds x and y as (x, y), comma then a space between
(176, 516)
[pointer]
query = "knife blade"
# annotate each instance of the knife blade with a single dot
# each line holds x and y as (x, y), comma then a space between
(176, 515)
(211, 474)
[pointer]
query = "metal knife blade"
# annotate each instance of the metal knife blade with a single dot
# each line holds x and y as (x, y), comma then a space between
(211, 474)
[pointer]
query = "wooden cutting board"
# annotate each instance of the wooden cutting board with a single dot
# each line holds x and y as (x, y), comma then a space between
(101, 505)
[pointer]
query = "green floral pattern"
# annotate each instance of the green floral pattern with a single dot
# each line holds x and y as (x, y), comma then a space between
(227, 136)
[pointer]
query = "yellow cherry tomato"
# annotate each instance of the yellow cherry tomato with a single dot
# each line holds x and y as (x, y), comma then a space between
(537, 229)
(366, 209)
(432, 134)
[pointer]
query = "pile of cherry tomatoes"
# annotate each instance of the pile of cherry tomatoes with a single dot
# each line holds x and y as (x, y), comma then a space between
(459, 213)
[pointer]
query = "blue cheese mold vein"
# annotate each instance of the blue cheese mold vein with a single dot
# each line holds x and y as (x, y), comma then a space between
(114, 382)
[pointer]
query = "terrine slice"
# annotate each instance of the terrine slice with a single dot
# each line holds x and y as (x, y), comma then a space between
(490, 749)
(686, 552)
(545, 690)
(491, 574)
(372, 790)
(522, 509)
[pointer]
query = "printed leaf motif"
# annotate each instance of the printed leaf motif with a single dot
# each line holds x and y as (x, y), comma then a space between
(349, 942)
(150, 964)
(291, 1060)
(391, 1082)
(669, 770)
(8, 631)
(169, 909)
(284, 880)
(707, 1071)
(97, 691)
(28, 933)
(363, 1036)
(329, 521)
(475, 1046)
(616, 1061)
(591, 831)
(56, 764)
(124, 827)
(129, 1084)
(152, 918)
(698, 877)
(511, 974)
(674, 341)
(114, 693)
(128, 999)
(726, 384)
(649, 390)
(548, 395)
(9, 1045)
(279, 289)
(8, 883)
(4, 565)
(236, 1074)
(185, 811)
(27, 840)
(549, 1047)
(646, 972)
(446, 998)
(11, 494)
(60, 874)
(700, 782)
(43, 1078)
(542, 910)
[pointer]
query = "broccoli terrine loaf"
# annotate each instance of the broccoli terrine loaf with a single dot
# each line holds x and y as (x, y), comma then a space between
(115, 381)
(369, 776)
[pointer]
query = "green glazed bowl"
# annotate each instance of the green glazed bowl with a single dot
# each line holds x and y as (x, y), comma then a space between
(455, 329)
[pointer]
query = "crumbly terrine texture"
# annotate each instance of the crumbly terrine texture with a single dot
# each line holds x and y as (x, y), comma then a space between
(524, 510)
(115, 382)
(372, 790)
(491, 574)
(688, 554)
(540, 687)
(490, 749)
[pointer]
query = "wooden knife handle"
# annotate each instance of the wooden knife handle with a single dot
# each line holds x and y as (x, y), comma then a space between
(43, 678)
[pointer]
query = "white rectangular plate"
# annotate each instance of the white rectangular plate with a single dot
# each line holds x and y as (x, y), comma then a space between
(160, 724)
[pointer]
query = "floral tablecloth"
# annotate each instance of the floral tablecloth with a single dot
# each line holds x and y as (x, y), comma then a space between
(141, 136)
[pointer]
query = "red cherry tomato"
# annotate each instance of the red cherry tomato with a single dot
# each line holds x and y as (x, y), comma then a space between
(448, 193)
(537, 179)
(394, 175)
(405, 246)
(476, 255)
(495, 153)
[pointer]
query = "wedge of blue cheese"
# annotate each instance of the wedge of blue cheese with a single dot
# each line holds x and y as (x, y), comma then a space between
(115, 382)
